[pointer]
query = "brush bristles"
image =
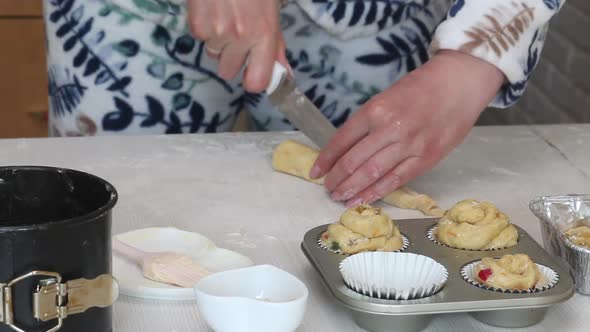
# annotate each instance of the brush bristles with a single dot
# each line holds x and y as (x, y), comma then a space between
(181, 275)
(175, 269)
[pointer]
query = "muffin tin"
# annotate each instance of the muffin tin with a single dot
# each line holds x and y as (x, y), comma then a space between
(490, 307)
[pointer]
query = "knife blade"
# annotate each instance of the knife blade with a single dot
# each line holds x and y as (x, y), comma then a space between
(297, 108)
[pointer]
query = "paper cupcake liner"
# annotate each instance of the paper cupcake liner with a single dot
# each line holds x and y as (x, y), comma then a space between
(432, 237)
(393, 276)
(321, 244)
(550, 279)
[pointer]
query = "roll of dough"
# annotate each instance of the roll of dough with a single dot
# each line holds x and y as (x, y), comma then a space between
(297, 159)
(406, 198)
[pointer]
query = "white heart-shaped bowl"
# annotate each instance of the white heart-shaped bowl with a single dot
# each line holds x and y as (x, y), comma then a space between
(260, 298)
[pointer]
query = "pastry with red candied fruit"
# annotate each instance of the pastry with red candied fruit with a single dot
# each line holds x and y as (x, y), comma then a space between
(510, 272)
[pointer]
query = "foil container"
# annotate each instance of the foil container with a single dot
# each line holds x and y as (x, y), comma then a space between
(557, 215)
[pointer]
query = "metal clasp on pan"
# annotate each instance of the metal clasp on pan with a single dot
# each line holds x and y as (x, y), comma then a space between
(54, 299)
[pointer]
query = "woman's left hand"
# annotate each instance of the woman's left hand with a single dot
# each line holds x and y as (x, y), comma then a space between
(407, 129)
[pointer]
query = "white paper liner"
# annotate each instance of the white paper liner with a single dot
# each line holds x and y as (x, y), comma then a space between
(550, 279)
(432, 237)
(405, 245)
(393, 276)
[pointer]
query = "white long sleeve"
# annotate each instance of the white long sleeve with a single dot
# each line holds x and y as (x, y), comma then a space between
(508, 34)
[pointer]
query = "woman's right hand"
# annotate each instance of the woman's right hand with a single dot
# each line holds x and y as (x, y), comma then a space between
(240, 31)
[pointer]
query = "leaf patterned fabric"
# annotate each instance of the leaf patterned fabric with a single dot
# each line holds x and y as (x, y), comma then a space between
(131, 66)
(349, 19)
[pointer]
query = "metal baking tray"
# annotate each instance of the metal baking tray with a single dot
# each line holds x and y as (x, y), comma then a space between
(490, 307)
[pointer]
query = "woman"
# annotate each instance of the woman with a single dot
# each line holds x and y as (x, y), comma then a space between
(405, 80)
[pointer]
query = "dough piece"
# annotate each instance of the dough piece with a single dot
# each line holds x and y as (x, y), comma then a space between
(406, 198)
(579, 236)
(297, 159)
(475, 225)
(359, 238)
(514, 272)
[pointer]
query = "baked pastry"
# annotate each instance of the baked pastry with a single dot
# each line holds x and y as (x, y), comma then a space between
(579, 236)
(475, 225)
(510, 272)
(297, 159)
(362, 228)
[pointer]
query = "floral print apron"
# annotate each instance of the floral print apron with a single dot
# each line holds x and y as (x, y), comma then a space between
(129, 67)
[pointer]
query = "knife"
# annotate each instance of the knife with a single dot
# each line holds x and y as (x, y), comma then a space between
(297, 108)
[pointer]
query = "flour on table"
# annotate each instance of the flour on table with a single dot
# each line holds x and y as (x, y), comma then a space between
(503, 171)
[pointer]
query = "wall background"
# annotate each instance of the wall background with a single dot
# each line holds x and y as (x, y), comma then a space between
(559, 91)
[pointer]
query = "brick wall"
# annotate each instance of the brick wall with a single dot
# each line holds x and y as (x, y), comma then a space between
(559, 91)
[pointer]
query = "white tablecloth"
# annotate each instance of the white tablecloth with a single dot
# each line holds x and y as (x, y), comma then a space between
(223, 187)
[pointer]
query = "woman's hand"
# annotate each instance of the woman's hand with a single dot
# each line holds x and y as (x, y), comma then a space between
(236, 31)
(407, 129)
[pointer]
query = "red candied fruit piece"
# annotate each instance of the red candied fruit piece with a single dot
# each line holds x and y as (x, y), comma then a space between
(485, 274)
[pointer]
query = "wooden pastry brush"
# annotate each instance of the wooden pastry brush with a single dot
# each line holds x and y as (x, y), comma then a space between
(167, 267)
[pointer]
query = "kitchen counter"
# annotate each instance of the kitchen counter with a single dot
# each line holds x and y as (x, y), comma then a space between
(223, 186)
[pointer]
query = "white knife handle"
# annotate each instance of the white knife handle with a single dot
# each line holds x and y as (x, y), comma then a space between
(278, 73)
